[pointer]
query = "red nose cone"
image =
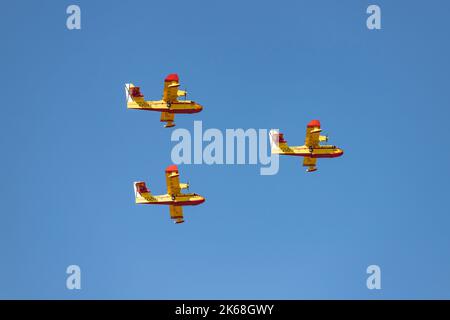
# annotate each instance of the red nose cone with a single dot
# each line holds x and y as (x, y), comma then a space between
(172, 77)
(314, 123)
(172, 168)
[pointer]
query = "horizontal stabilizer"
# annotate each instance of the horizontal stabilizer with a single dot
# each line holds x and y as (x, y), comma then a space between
(140, 188)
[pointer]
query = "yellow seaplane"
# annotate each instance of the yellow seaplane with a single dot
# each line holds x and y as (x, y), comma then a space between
(169, 105)
(173, 198)
(311, 150)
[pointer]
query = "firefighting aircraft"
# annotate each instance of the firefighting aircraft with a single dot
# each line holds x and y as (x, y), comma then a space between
(168, 105)
(173, 198)
(310, 151)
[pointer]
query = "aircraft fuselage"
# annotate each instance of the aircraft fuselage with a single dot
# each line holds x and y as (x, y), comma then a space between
(183, 106)
(185, 199)
(324, 151)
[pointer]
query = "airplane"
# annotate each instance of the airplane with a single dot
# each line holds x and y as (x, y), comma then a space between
(169, 105)
(311, 150)
(174, 198)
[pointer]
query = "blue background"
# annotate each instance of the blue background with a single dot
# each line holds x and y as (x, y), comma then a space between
(70, 150)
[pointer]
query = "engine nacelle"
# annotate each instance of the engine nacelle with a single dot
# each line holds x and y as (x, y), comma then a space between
(323, 138)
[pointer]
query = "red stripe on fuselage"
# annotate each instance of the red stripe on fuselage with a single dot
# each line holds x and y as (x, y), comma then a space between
(178, 203)
(326, 155)
(185, 111)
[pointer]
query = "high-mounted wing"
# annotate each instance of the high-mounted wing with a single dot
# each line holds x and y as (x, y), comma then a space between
(176, 213)
(167, 117)
(310, 163)
(171, 85)
(313, 134)
(173, 180)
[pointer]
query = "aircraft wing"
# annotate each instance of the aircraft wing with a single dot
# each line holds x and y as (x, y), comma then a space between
(176, 213)
(173, 181)
(313, 134)
(171, 85)
(170, 93)
(309, 162)
(167, 117)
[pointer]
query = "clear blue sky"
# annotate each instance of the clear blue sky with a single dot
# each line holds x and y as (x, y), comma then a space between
(70, 150)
